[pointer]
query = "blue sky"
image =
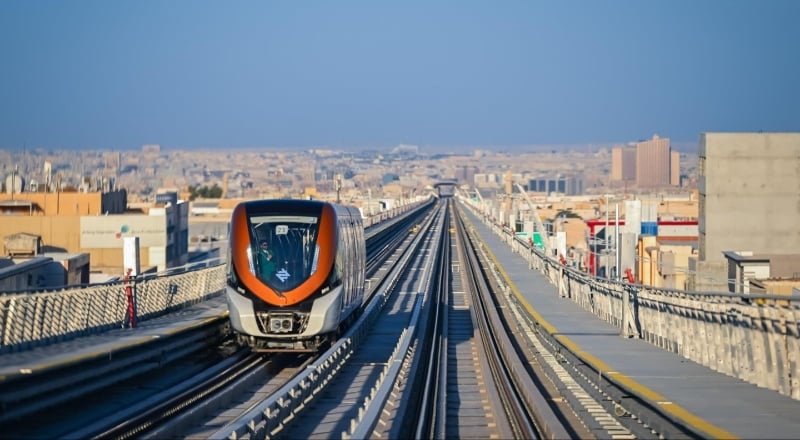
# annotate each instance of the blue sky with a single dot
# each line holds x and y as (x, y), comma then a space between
(198, 74)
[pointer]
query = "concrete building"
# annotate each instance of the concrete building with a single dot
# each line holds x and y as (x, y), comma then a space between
(47, 271)
(675, 169)
(487, 180)
(744, 267)
(623, 164)
(466, 174)
(95, 223)
(748, 199)
(653, 163)
(163, 233)
(565, 185)
(63, 203)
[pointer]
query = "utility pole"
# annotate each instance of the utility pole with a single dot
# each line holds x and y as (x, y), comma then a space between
(607, 242)
(337, 184)
(618, 257)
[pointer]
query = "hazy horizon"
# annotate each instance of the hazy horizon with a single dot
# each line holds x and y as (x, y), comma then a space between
(425, 149)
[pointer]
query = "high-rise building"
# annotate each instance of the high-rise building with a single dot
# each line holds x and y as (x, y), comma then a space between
(152, 149)
(113, 162)
(653, 162)
(466, 174)
(675, 169)
(748, 200)
(623, 163)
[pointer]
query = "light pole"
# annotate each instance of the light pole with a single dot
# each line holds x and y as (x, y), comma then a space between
(337, 184)
(617, 259)
(606, 241)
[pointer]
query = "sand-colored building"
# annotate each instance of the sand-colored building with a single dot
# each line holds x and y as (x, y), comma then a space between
(96, 223)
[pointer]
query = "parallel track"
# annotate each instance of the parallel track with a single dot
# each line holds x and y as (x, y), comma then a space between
(338, 408)
(524, 420)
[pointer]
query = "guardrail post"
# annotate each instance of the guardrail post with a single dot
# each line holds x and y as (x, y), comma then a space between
(629, 325)
(623, 331)
(131, 315)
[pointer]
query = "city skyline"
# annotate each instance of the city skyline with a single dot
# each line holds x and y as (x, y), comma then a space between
(194, 75)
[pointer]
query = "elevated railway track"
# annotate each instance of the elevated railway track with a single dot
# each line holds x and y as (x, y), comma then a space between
(446, 349)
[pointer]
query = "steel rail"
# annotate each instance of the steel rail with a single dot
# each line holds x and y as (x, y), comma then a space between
(433, 401)
(529, 410)
(523, 425)
(364, 425)
(148, 418)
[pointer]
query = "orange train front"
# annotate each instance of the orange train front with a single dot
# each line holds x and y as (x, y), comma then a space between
(295, 272)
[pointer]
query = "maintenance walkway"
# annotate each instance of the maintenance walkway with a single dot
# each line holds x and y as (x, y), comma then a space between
(709, 401)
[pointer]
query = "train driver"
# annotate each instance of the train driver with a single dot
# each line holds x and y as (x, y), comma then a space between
(266, 260)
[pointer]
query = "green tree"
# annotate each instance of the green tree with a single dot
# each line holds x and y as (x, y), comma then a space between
(566, 213)
(205, 192)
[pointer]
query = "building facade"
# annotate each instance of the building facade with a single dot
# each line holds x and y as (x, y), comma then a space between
(748, 200)
(653, 163)
(623, 164)
(675, 169)
(565, 185)
(95, 223)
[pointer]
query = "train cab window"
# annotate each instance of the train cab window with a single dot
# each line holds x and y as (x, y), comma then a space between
(287, 248)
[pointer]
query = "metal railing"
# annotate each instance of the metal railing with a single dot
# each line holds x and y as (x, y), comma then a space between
(28, 320)
(755, 338)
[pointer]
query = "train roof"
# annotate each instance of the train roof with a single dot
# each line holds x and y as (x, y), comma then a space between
(289, 204)
(284, 202)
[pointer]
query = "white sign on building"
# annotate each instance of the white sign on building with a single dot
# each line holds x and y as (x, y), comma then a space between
(108, 231)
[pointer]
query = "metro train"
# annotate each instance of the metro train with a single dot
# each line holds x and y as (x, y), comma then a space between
(295, 272)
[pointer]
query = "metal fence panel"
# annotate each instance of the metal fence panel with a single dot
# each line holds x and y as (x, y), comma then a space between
(38, 318)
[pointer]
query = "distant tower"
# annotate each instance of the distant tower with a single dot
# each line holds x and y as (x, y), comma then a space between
(225, 179)
(653, 162)
(623, 163)
(675, 169)
(151, 149)
(48, 174)
(508, 179)
(113, 161)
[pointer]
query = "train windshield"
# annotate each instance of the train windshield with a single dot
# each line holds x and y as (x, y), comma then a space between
(284, 249)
